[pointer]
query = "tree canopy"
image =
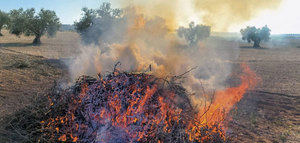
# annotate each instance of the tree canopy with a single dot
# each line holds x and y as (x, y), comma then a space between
(86, 21)
(17, 21)
(4, 19)
(256, 35)
(29, 23)
(95, 22)
(194, 33)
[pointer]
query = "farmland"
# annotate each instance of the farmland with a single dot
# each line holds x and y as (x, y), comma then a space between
(268, 113)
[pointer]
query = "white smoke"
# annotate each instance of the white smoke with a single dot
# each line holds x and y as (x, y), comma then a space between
(148, 41)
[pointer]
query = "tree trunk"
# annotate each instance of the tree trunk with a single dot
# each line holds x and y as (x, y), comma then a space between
(37, 40)
(256, 44)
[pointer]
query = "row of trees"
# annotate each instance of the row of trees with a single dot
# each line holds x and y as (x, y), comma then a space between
(95, 22)
(30, 23)
(91, 26)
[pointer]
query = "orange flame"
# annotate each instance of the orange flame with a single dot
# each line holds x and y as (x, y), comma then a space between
(148, 118)
(223, 102)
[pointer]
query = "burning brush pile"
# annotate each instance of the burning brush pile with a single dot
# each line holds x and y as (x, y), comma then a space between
(126, 107)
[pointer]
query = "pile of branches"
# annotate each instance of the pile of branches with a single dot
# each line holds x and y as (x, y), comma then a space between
(118, 107)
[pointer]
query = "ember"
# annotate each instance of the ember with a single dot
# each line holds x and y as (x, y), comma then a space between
(134, 107)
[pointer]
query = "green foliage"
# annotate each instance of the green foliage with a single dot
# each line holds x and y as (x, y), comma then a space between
(194, 33)
(4, 19)
(17, 21)
(95, 22)
(106, 11)
(256, 35)
(86, 21)
(29, 23)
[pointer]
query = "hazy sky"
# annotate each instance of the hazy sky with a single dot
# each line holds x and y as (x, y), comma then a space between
(285, 19)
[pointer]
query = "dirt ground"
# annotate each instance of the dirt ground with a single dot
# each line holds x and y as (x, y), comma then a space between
(27, 71)
(268, 113)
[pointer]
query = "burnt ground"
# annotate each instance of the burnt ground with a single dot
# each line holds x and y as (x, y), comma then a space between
(268, 113)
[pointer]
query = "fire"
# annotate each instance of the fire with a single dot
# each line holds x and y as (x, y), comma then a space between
(144, 107)
(129, 107)
(216, 112)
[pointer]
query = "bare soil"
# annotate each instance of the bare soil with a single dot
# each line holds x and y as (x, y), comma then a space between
(268, 113)
(27, 71)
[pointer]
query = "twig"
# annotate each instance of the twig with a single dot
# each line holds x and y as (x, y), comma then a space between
(185, 72)
(115, 66)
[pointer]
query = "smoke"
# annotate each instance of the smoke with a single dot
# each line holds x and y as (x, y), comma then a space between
(165, 9)
(148, 42)
(146, 39)
(219, 14)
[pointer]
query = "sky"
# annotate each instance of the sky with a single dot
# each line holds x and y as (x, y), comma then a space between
(285, 19)
(67, 10)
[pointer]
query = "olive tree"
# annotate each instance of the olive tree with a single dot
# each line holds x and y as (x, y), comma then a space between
(85, 23)
(29, 23)
(256, 35)
(95, 22)
(17, 21)
(4, 19)
(194, 33)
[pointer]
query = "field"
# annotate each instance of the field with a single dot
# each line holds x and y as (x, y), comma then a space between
(268, 113)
